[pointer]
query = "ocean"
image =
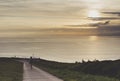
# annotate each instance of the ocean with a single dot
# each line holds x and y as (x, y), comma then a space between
(62, 49)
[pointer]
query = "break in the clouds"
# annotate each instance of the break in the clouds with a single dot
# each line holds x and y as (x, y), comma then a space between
(50, 16)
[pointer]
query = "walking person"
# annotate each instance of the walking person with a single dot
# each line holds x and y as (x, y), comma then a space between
(31, 59)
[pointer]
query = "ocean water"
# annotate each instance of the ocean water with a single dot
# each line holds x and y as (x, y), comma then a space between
(63, 49)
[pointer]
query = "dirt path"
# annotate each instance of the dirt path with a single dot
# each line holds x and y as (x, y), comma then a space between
(37, 74)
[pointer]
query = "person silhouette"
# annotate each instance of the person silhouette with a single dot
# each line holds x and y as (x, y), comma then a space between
(31, 59)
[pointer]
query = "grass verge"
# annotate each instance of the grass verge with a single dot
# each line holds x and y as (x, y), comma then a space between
(10, 70)
(63, 71)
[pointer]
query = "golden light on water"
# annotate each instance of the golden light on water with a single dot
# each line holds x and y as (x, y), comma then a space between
(93, 13)
(93, 38)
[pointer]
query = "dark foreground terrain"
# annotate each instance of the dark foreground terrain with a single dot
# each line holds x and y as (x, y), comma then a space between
(85, 71)
(10, 70)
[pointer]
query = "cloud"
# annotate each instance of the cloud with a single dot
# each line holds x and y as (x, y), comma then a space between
(39, 7)
(90, 24)
(104, 18)
(109, 17)
(103, 28)
(110, 27)
(27, 14)
(114, 13)
(113, 30)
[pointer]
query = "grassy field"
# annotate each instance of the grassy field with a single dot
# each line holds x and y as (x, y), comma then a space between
(10, 70)
(64, 71)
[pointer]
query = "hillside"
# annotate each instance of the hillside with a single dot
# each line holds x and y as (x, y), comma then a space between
(10, 70)
(86, 71)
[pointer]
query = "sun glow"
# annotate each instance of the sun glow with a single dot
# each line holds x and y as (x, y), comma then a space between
(93, 13)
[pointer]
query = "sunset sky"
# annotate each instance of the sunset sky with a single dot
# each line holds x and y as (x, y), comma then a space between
(42, 17)
(62, 30)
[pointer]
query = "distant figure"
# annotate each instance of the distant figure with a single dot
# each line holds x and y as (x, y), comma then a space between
(31, 59)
